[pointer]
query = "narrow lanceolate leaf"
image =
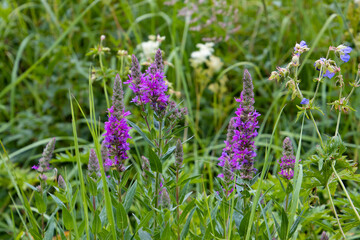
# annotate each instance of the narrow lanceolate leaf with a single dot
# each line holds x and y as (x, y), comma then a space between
(133, 125)
(284, 225)
(155, 162)
(185, 230)
(130, 196)
(121, 216)
(81, 178)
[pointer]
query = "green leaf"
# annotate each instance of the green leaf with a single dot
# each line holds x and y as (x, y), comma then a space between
(130, 196)
(92, 186)
(244, 223)
(185, 230)
(50, 231)
(143, 222)
(35, 234)
(40, 203)
(166, 234)
(121, 216)
(187, 209)
(33, 221)
(133, 125)
(284, 225)
(67, 219)
(73, 200)
(57, 200)
(96, 224)
(155, 162)
(168, 153)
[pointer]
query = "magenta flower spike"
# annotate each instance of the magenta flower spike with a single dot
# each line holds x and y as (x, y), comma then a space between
(240, 149)
(117, 129)
(287, 163)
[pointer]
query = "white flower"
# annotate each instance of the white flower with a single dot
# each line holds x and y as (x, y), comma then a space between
(214, 63)
(149, 48)
(205, 51)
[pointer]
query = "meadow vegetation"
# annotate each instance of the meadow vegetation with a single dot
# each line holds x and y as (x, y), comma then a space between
(206, 119)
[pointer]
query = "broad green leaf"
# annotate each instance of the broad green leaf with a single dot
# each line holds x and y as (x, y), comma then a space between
(284, 225)
(155, 162)
(121, 216)
(40, 203)
(67, 219)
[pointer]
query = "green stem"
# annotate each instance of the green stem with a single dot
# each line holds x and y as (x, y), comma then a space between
(157, 182)
(347, 194)
(317, 130)
(312, 118)
(287, 197)
(177, 202)
(232, 207)
(333, 207)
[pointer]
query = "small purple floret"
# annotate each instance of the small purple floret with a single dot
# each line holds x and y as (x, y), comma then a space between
(304, 101)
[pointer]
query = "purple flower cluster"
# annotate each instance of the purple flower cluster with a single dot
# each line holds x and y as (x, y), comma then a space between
(300, 48)
(149, 87)
(93, 165)
(343, 51)
(117, 130)
(328, 66)
(44, 161)
(240, 149)
(287, 163)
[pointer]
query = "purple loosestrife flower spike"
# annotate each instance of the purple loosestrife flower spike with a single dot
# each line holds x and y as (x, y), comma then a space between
(179, 154)
(157, 65)
(117, 132)
(227, 153)
(153, 88)
(105, 157)
(245, 130)
(61, 183)
(117, 97)
(44, 161)
(228, 173)
(240, 149)
(145, 166)
(159, 61)
(164, 198)
(93, 165)
(324, 236)
(135, 79)
(287, 163)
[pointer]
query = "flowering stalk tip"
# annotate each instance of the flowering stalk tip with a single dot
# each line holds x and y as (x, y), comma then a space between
(61, 182)
(93, 165)
(44, 161)
(240, 149)
(179, 154)
(287, 163)
(118, 96)
(117, 130)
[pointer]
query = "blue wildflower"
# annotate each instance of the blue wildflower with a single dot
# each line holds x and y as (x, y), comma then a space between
(301, 47)
(344, 52)
(304, 101)
(327, 66)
